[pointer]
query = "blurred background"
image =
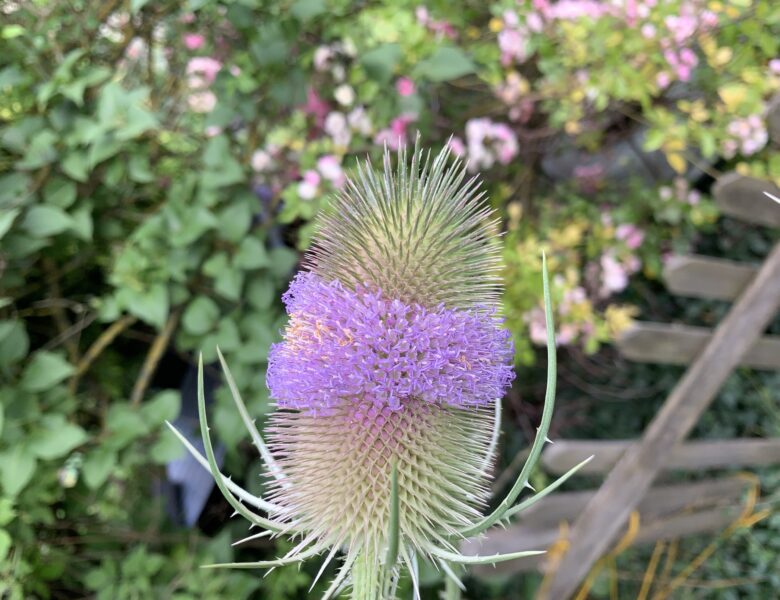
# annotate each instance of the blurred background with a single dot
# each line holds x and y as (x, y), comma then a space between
(160, 167)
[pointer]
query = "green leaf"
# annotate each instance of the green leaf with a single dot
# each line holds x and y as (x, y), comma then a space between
(7, 218)
(14, 344)
(44, 371)
(76, 165)
(41, 150)
(10, 32)
(251, 254)
(164, 406)
(166, 448)
(228, 284)
(17, 466)
(7, 512)
(57, 439)
(283, 261)
(151, 305)
(201, 316)
(44, 221)
(228, 336)
(5, 544)
(260, 293)
(305, 10)
(98, 466)
(380, 63)
(60, 192)
(444, 64)
(126, 425)
(2, 420)
(235, 220)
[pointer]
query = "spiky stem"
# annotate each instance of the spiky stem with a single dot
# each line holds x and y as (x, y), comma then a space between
(367, 580)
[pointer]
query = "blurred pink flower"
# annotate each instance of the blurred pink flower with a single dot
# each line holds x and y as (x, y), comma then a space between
(512, 44)
(193, 41)
(774, 66)
(456, 146)
(316, 107)
(404, 86)
(336, 127)
(202, 102)
(213, 130)
(261, 161)
(632, 235)
(489, 142)
(395, 135)
(330, 168)
(309, 186)
(205, 67)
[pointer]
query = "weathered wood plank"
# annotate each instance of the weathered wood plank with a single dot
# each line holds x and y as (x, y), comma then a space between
(674, 344)
(607, 512)
(659, 501)
(743, 198)
(691, 456)
(706, 277)
(523, 538)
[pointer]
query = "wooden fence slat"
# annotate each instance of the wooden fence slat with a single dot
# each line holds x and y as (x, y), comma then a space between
(743, 198)
(706, 277)
(660, 501)
(666, 512)
(598, 526)
(675, 344)
(700, 454)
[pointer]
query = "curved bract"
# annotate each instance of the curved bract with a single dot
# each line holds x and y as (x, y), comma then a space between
(387, 382)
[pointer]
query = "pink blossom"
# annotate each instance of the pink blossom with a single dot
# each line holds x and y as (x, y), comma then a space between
(330, 168)
(316, 107)
(322, 56)
(135, 48)
(632, 235)
(456, 146)
(774, 66)
(309, 186)
(359, 121)
(202, 102)
(512, 45)
(404, 86)
(205, 67)
(534, 22)
(336, 127)
(663, 80)
(261, 161)
(576, 9)
(648, 31)
(487, 142)
(395, 135)
(213, 130)
(193, 41)
(614, 276)
(537, 326)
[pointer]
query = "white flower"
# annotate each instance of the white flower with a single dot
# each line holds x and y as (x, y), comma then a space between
(344, 95)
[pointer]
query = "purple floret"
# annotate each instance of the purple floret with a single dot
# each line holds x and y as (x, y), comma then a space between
(358, 345)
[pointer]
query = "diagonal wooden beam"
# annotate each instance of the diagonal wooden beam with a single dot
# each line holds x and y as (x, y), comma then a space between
(607, 512)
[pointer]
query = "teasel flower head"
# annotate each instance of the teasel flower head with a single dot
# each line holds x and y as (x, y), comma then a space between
(388, 382)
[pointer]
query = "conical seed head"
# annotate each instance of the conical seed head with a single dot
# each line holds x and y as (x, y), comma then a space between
(393, 355)
(338, 470)
(420, 233)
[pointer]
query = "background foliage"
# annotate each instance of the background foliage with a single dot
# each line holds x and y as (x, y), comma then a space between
(160, 164)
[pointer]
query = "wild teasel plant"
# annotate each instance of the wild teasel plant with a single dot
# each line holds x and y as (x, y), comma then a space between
(388, 385)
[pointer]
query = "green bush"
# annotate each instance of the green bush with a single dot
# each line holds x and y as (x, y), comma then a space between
(160, 164)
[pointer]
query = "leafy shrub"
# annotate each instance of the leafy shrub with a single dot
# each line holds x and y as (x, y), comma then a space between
(160, 163)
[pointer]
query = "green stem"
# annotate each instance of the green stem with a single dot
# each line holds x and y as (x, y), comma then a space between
(367, 580)
(451, 590)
